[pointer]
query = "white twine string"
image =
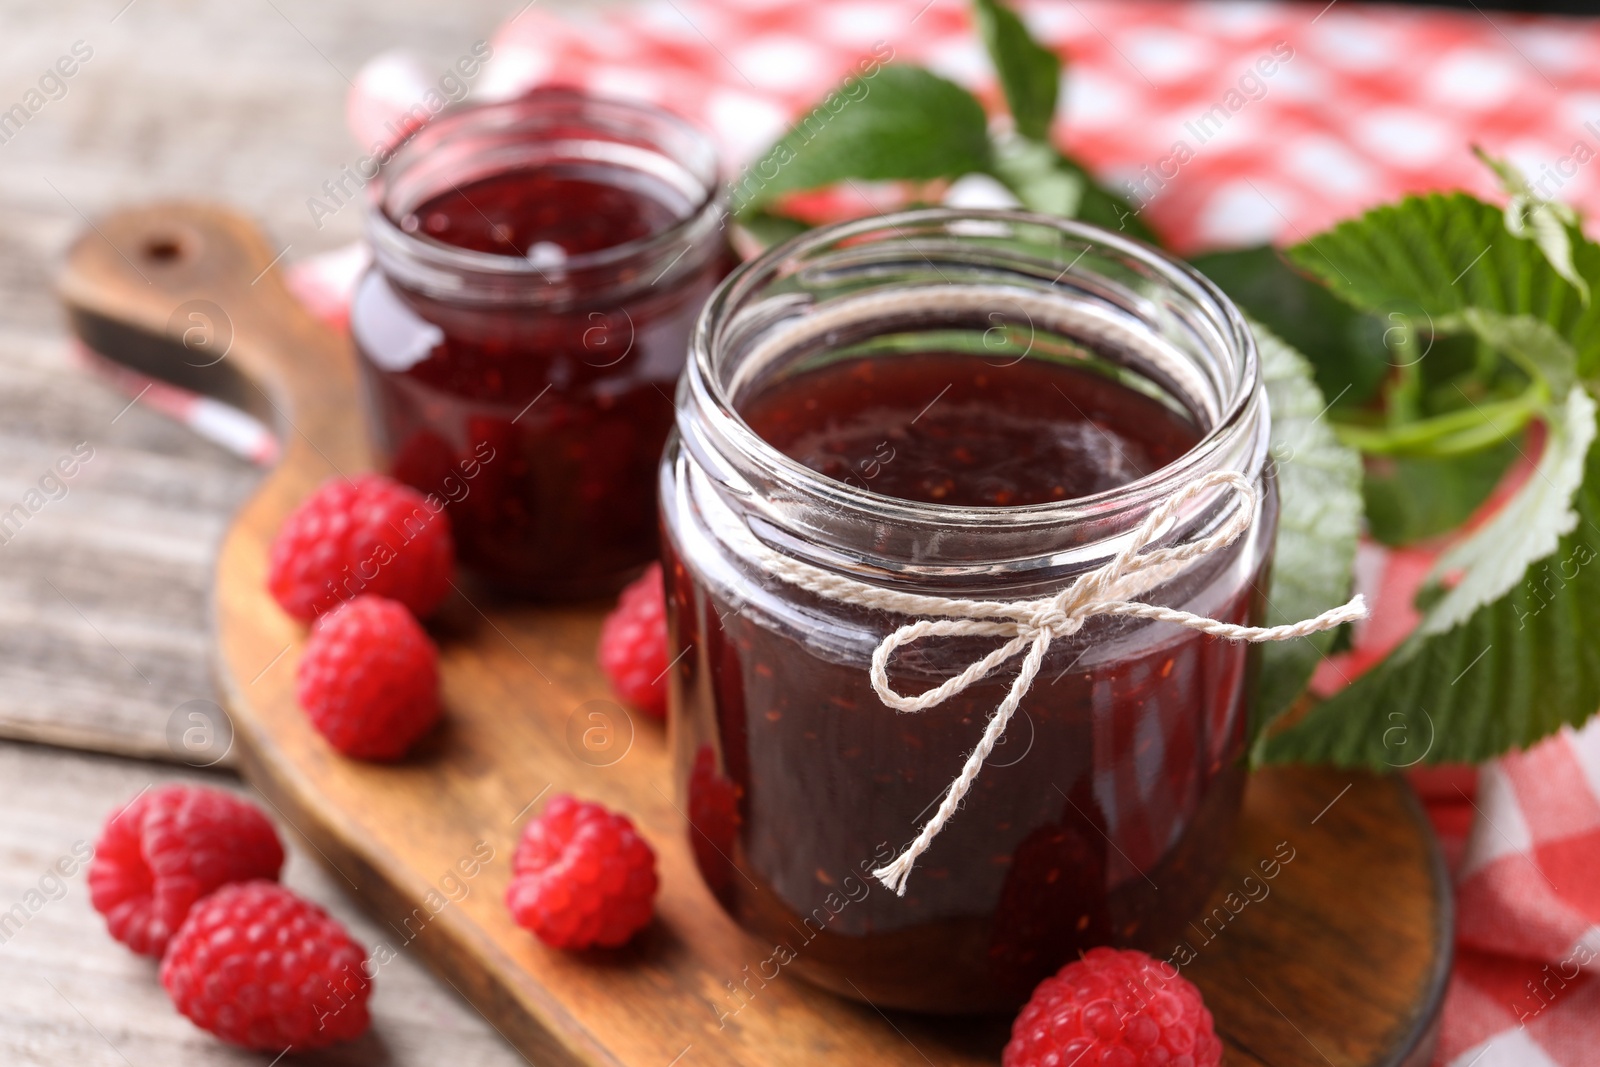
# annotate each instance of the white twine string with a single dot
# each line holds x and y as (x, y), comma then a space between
(1032, 624)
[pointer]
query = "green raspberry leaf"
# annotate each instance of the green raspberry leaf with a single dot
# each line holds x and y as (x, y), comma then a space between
(1531, 344)
(1413, 498)
(1429, 259)
(1344, 345)
(1493, 559)
(1546, 221)
(1504, 656)
(1319, 519)
(1096, 203)
(1036, 173)
(902, 123)
(1029, 73)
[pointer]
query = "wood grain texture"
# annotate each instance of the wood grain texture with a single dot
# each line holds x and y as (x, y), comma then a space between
(1342, 963)
(104, 586)
(204, 98)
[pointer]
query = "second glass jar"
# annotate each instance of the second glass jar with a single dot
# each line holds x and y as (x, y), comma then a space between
(538, 264)
(1106, 815)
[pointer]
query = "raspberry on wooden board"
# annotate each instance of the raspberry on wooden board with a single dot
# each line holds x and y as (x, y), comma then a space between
(364, 535)
(1114, 1008)
(369, 679)
(582, 876)
(633, 644)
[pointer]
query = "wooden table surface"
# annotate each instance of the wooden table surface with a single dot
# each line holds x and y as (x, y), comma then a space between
(103, 592)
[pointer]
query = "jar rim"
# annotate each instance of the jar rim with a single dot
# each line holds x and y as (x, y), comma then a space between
(704, 384)
(393, 246)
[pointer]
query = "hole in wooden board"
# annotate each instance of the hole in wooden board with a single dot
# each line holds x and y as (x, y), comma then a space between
(162, 248)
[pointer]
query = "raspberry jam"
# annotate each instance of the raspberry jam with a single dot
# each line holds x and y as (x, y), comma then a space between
(538, 265)
(919, 450)
(946, 428)
(543, 214)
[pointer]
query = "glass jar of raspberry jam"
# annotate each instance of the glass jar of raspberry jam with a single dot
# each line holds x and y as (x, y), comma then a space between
(537, 267)
(977, 405)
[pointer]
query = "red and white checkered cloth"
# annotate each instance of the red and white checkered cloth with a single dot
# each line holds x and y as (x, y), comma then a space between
(1362, 104)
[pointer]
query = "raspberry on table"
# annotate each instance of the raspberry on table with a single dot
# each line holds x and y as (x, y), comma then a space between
(369, 679)
(367, 534)
(168, 848)
(633, 644)
(582, 876)
(260, 967)
(1114, 1008)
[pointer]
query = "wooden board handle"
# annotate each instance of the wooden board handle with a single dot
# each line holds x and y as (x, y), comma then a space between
(191, 294)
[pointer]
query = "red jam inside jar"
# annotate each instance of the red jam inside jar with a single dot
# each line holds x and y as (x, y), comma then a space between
(543, 214)
(1105, 815)
(538, 265)
(945, 428)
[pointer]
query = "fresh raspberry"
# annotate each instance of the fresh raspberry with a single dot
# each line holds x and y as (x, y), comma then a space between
(582, 876)
(1114, 1008)
(168, 848)
(369, 534)
(369, 679)
(259, 967)
(713, 819)
(633, 644)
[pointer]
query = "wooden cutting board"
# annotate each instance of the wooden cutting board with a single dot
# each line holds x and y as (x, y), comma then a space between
(1343, 962)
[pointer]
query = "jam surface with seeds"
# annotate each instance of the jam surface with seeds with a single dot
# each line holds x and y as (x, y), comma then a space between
(947, 428)
(552, 212)
(1103, 817)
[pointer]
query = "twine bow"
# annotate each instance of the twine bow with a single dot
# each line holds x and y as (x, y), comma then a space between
(1031, 625)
